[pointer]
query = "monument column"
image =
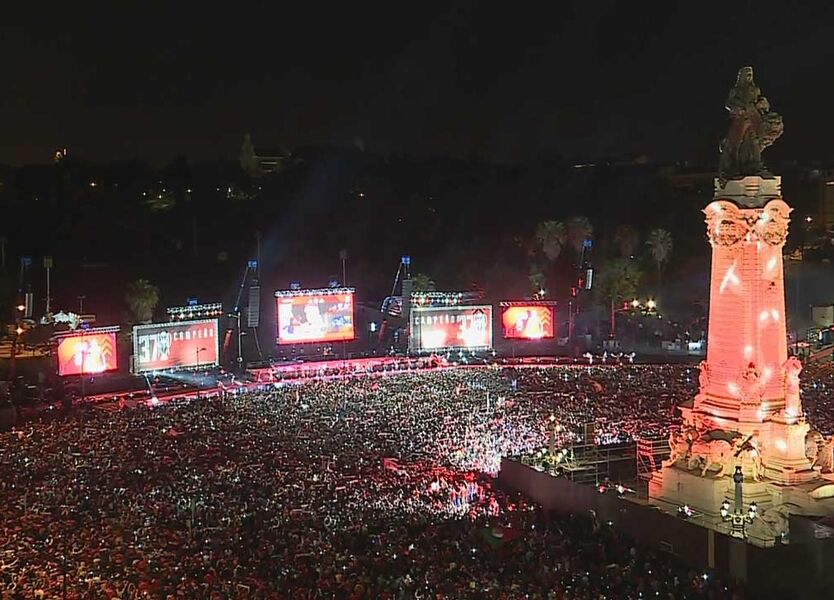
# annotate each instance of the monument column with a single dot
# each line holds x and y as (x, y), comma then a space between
(747, 415)
(748, 384)
(744, 382)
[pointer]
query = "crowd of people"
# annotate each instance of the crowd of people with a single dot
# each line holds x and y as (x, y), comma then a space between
(369, 487)
(817, 385)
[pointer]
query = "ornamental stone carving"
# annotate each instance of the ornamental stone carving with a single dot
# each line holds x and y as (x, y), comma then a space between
(793, 403)
(751, 393)
(703, 375)
(728, 224)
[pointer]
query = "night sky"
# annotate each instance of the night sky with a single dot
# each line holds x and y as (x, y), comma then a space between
(496, 81)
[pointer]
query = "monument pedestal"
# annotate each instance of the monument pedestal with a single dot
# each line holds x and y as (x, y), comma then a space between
(786, 462)
(673, 486)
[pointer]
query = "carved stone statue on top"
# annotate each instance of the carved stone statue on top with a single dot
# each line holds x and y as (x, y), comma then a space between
(753, 127)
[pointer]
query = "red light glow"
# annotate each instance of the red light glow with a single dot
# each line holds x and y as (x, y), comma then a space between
(91, 353)
(527, 322)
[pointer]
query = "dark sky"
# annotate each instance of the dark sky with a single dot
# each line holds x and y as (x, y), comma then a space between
(502, 81)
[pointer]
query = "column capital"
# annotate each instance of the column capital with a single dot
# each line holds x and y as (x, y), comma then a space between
(729, 224)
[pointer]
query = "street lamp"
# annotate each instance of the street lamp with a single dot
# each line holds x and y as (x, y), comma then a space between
(552, 435)
(738, 518)
(198, 365)
(84, 352)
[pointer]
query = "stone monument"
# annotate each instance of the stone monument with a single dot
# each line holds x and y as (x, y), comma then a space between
(748, 412)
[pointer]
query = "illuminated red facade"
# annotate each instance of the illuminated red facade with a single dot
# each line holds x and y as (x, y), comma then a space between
(744, 372)
(748, 384)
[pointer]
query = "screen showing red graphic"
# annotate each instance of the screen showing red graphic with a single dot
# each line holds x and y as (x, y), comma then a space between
(448, 327)
(179, 345)
(88, 353)
(527, 321)
(310, 317)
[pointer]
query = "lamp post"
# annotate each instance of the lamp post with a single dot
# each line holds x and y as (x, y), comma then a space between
(236, 316)
(343, 256)
(47, 264)
(649, 307)
(198, 366)
(738, 519)
(552, 435)
(21, 308)
(84, 352)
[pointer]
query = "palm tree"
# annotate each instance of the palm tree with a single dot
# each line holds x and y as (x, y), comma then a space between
(660, 247)
(142, 298)
(248, 158)
(579, 230)
(420, 282)
(626, 239)
(537, 278)
(617, 281)
(550, 237)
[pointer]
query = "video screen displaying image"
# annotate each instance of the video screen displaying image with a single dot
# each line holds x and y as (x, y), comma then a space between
(177, 345)
(89, 353)
(315, 318)
(452, 327)
(527, 321)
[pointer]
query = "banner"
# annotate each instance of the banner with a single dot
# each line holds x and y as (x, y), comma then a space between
(176, 345)
(451, 327)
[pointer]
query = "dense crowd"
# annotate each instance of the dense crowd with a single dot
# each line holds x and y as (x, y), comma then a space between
(817, 385)
(373, 487)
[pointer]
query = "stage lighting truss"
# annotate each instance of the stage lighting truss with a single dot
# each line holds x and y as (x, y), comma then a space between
(199, 311)
(318, 292)
(437, 298)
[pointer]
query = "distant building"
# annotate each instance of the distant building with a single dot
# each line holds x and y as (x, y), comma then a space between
(824, 196)
(822, 316)
(261, 161)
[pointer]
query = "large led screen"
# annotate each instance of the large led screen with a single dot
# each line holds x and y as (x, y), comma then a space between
(310, 317)
(527, 321)
(178, 345)
(87, 353)
(448, 327)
